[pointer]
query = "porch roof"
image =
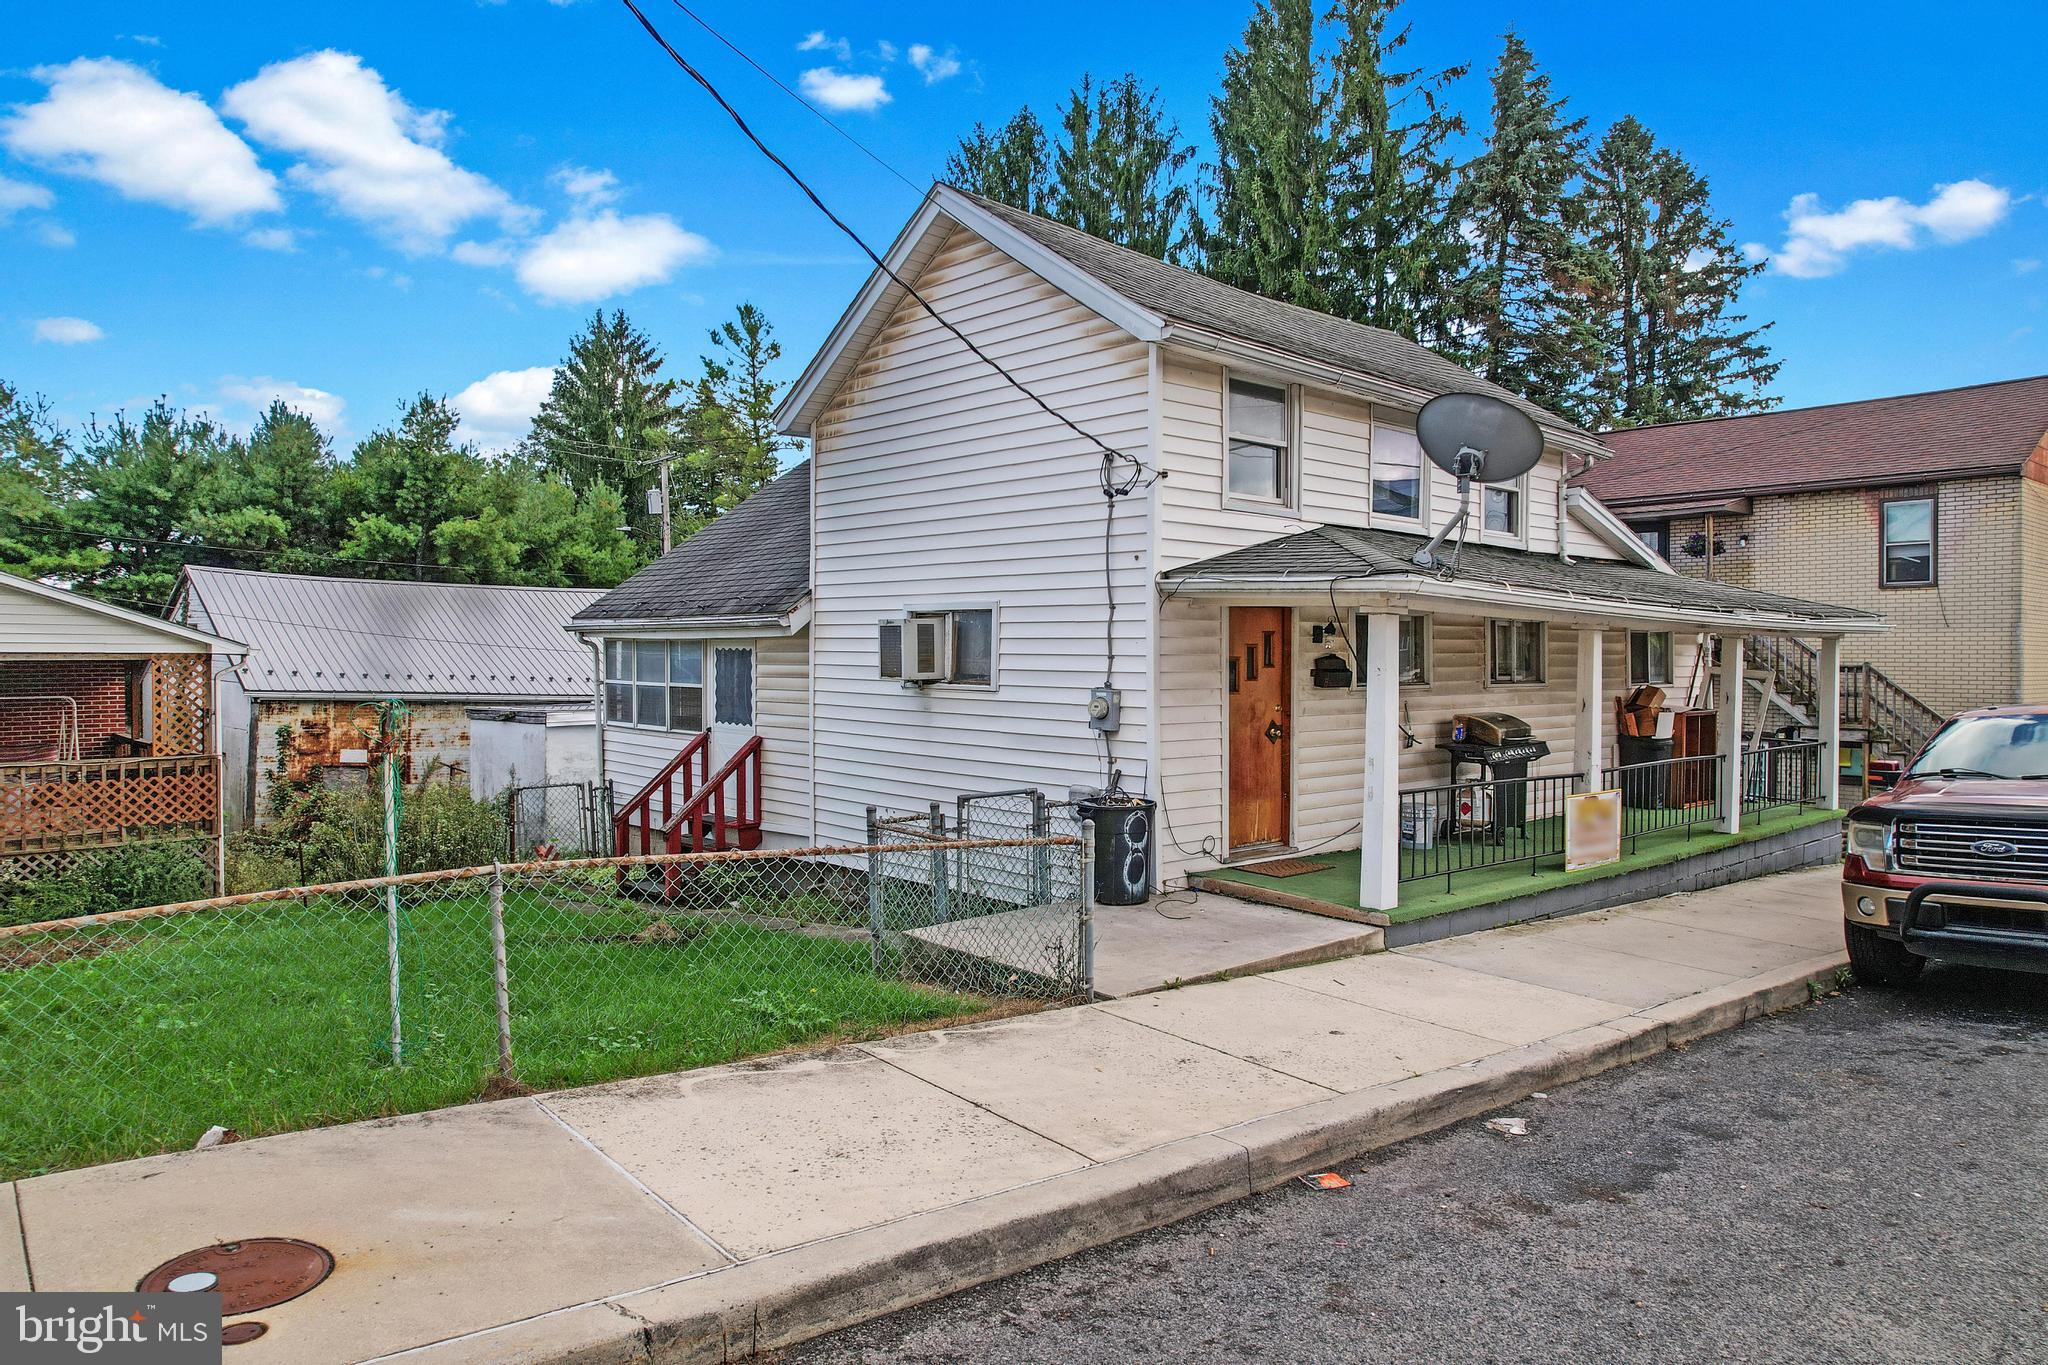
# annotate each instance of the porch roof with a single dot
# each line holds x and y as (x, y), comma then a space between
(1331, 558)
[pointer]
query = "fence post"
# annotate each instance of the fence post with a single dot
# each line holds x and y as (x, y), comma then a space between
(1041, 854)
(942, 891)
(512, 818)
(1086, 911)
(875, 866)
(387, 737)
(500, 979)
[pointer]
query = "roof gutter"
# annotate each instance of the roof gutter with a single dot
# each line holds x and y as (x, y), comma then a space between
(788, 623)
(1462, 592)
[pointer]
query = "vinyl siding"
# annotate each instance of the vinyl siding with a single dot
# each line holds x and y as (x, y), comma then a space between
(1334, 432)
(31, 624)
(633, 755)
(1329, 724)
(936, 484)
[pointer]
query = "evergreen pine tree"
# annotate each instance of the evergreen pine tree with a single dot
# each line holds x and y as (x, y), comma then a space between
(1010, 166)
(1399, 251)
(1525, 320)
(1117, 172)
(610, 417)
(1272, 229)
(1670, 279)
(734, 449)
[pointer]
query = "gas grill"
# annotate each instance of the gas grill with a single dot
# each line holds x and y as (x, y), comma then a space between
(1495, 747)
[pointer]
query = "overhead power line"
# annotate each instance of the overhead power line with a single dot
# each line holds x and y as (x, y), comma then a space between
(1110, 454)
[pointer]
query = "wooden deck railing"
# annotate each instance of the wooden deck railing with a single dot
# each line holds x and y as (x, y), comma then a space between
(93, 803)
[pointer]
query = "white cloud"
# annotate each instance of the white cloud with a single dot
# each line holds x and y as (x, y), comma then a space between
(498, 409)
(841, 90)
(587, 186)
(2026, 265)
(817, 41)
(113, 122)
(272, 239)
(595, 257)
(885, 49)
(500, 252)
(932, 65)
(370, 154)
(1819, 242)
(16, 195)
(259, 391)
(55, 234)
(146, 39)
(66, 331)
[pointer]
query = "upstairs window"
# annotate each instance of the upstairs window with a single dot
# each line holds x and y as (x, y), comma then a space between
(1501, 510)
(1906, 543)
(1260, 428)
(1649, 657)
(1396, 473)
(1655, 534)
(1514, 652)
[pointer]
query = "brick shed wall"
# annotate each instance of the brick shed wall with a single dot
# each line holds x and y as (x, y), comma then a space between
(1954, 645)
(435, 744)
(29, 729)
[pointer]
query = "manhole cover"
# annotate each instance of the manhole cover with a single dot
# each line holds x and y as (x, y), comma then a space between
(235, 1333)
(259, 1273)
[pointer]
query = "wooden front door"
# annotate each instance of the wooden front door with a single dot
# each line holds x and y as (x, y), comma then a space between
(1259, 674)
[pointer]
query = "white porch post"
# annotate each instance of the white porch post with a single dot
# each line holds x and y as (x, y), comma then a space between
(1730, 725)
(1379, 834)
(1589, 742)
(1827, 687)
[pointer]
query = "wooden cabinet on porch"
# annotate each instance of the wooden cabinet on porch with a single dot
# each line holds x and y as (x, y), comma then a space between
(1694, 735)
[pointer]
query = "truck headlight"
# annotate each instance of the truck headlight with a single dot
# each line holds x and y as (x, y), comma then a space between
(1870, 842)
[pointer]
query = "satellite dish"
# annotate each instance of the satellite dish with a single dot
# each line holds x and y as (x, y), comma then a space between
(1478, 439)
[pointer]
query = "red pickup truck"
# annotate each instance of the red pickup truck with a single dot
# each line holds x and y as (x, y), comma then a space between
(1952, 863)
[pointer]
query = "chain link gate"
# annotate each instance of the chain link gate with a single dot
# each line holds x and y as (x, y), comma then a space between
(558, 820)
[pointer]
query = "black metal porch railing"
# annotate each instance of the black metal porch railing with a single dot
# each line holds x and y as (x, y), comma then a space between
(1667, 794)
(1463, 826)
(1781, 774)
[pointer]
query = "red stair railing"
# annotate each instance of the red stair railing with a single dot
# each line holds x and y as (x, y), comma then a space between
(693, 765)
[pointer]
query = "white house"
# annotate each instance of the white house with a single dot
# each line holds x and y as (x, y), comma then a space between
(1276, 491)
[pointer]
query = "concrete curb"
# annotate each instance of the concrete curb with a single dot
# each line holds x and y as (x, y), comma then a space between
(779, 1300)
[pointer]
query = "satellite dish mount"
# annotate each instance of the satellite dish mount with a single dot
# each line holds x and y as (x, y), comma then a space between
(1475, 438)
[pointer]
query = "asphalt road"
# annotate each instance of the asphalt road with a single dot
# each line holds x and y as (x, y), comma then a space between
(1861, 1180)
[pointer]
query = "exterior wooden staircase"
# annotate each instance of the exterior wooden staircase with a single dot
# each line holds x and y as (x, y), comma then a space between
(688, 808)
(1872, 701)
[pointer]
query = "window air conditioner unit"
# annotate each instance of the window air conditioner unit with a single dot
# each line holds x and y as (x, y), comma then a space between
(917, 649)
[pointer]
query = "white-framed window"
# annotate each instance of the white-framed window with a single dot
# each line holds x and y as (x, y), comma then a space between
(1649, 657)
(1399, 473)
(1906, 541)
(1515, 651)
(1501, 510)
(1414, 649)
(970, 639)
(654, 684)
(1258, 442)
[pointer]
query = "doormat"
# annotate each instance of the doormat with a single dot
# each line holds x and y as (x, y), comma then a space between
(1288, 867)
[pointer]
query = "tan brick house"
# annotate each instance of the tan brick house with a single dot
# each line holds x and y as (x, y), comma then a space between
(1931, 508)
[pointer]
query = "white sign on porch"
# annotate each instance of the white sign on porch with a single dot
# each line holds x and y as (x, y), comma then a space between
(1592, 829)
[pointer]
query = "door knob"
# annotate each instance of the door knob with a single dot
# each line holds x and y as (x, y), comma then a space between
(1273, 731)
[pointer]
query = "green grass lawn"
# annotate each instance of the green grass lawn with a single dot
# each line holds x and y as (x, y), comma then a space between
(277, 1017)
(1436, 895)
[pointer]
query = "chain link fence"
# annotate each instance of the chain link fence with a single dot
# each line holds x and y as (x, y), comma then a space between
(134, 1032)
(558, 820)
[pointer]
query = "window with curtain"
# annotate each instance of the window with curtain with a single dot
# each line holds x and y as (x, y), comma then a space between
(1906, 541)
(734, 686)
(1501, 510)
(1515, 651)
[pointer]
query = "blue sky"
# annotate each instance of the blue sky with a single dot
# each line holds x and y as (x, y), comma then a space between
(348, 204)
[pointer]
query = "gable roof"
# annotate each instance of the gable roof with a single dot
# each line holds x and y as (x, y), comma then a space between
(753, 561)
(1306, 560)
(320, 637)
(1152, 301)
(58, 604)
(1982, 429)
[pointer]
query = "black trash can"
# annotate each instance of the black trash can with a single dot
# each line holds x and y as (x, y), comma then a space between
(1124, 848)
(1647, 788)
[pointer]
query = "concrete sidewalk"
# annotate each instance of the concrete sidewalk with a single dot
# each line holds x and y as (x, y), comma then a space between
(710, 1214)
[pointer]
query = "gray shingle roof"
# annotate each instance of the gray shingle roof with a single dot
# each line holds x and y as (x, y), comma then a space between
(1329, 552)
(1186, 297)
(753, 561)
(316, 637)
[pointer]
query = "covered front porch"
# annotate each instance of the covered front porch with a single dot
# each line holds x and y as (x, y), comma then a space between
(1401, 745)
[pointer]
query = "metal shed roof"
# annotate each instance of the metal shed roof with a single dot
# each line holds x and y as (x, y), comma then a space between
(320, 637)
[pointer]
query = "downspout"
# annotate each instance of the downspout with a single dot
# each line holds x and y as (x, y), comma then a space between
(1564, 503)
(597, 703)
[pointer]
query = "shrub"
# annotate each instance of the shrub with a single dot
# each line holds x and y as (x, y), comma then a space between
(439, 826)
(120, 878)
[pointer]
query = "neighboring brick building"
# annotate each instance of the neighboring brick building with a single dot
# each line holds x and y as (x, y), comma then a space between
(1930, 508)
